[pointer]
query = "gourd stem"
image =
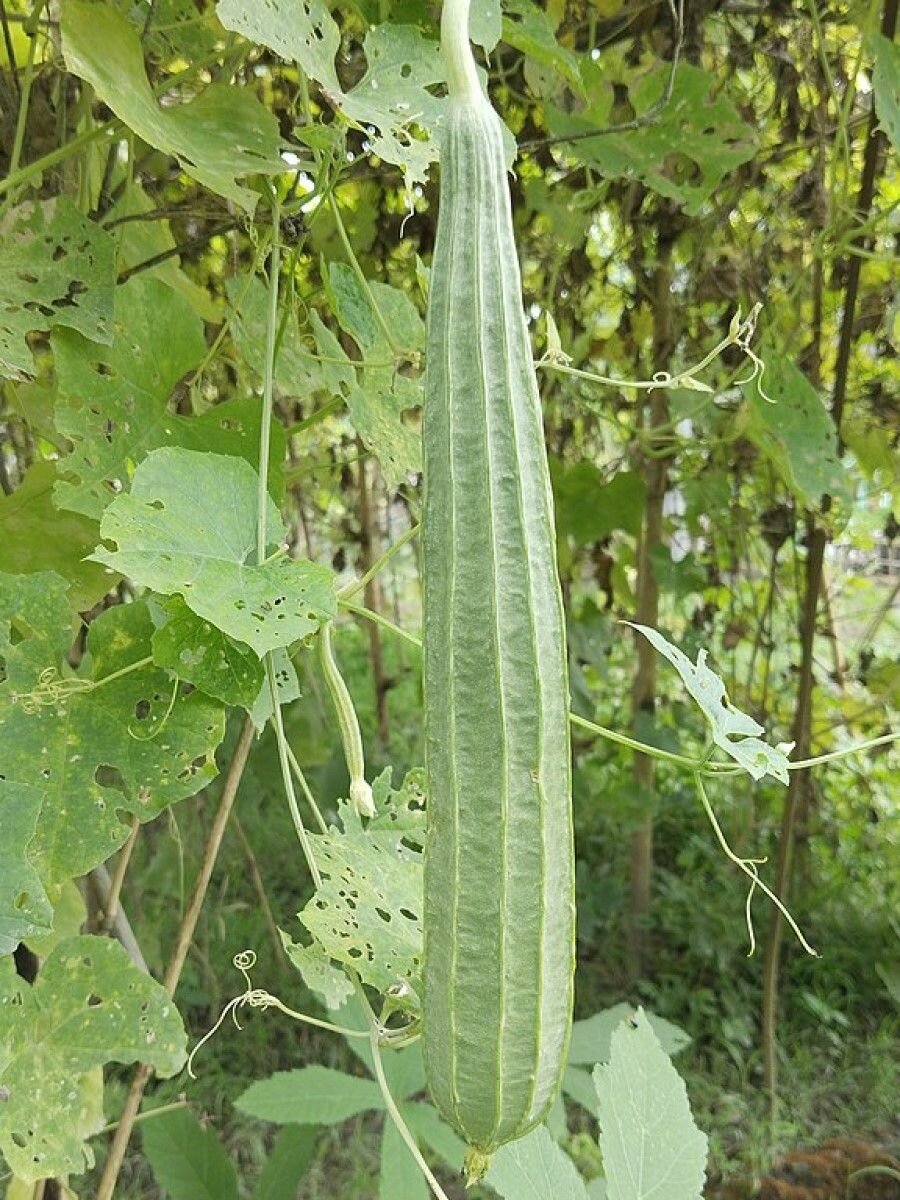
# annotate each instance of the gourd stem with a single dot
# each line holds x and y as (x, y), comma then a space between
(462, 78)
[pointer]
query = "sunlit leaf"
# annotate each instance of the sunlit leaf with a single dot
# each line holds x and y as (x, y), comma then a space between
(188, 526)
(90, 1005)
(526, 26)
(221, 136)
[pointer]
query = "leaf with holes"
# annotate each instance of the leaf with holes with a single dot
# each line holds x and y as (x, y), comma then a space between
(318, 972)
(684, 152)
(114, 404)
(796, 433)
(89, 1006)
(93, 748)
(56, 268)
(367, 913)
(188, 527)
(391, 101)
(25, 908)
(221, 136)
(732, 730)
(199, 653)
(649, 1142)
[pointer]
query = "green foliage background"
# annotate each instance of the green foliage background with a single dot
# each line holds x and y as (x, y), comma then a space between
(663, 180)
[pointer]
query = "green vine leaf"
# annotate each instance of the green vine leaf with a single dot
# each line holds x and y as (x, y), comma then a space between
(89, 1006)
(367, 914)
(649, 1142)
(56, 268)
(391, 98)
(221, 136)
(188, 1160)
(886, 85)
(113, 405)
(684, 152)
(732, 730)
(528, 28)
(36, 536)
(796, 433)
(199, 653)
(25, 908)
(309, 1096)
(92, 750)
(381, 403)
(188, 527)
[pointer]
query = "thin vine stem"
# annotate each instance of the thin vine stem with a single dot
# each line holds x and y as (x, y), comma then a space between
(384, 622)
(358, 585)
(262, 537)
(307, 791)
(358, 272)
(390, 1103)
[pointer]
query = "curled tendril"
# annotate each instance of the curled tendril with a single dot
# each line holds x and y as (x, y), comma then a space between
(253, 997)
(50, 691)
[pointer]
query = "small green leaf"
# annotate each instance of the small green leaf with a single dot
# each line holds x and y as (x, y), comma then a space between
(592, 1038)
(188, 526)
(527, 27)
(25, 908)
(588, 508)
(310, 1096)
(306, 33)
(56, 268)
(222, 135)
(535, 1168)
(650, 1144)
(187, 1159)
(201, 654)
(286, 1164)
(89, 1006)
(796, 433)
(732, 730)
(36, 536)
(886, 85)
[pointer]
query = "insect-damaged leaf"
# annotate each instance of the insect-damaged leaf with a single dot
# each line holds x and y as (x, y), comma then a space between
(90, 1005)
(113, 404)
(92, 748)
(188, 526)
(56, 268)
